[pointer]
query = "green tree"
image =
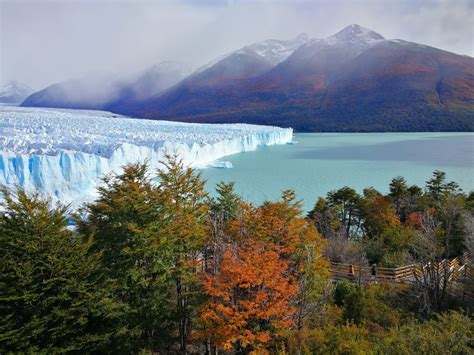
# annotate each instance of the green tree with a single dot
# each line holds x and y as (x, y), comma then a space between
(53, 295)
(125, 223)
(438, 186)
(353, 300)
(227, 204)
(398, 193)
(448, 333)
(184, 215)
(452, 213)
(415, 194)
(324, 217)
(152, 235)
(347, 203)
(126, 206)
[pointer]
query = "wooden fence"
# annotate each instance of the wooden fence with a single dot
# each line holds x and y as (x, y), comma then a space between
(456, 268)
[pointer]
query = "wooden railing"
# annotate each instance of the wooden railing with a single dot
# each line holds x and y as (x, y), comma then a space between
(456, 267)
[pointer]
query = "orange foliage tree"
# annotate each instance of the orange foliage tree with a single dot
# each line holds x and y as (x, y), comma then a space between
(279, 223)
(379, 215)
(266, 280)
(249, 298)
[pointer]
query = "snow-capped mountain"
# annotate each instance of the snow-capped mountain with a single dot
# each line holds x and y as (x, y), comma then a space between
(354, 80)
(14, 92)
(271, 51)
(355, 35)
(236, 67)
(274, 51)
(244, 63)
(348, 42)
(64, 153)
(128, 95)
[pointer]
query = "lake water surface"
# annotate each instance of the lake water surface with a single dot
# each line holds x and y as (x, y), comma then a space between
(321, 162)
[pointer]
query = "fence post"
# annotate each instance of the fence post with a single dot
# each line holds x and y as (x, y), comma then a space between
(351, 272)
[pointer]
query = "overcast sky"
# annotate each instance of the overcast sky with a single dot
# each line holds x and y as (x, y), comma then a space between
(44, 41)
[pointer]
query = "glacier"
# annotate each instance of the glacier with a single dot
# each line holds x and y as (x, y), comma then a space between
(65, 153)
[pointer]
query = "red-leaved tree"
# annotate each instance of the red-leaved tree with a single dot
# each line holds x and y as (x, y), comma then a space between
(249, 298)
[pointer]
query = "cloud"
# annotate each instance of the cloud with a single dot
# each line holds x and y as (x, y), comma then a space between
(43, 42)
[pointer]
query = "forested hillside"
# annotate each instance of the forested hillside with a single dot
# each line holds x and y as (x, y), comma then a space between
(157, 266)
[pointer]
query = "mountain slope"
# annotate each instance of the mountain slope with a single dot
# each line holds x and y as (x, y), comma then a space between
(150, 83)
(14, 92)
(354, 80)
(108, 93)
(127, 95)
(197, 93)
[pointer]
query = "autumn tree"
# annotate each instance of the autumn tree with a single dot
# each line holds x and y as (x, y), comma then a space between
(249, 298)
(386, 240)
(275, 227)
(379, 214)
(279, 223)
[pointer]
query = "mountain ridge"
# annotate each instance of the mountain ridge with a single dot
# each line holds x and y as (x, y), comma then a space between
(354, 80)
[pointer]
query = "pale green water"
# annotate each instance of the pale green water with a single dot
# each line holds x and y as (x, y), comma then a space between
(321, 162)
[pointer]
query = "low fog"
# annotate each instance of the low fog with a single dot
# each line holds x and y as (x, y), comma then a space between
(44, 42)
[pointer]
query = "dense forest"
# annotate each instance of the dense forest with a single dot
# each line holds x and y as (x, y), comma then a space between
(156, 265)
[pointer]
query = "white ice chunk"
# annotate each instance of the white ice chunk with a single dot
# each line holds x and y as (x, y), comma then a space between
(221, 165)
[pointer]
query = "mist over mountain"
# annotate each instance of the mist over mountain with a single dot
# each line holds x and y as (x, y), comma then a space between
(109, 92)
(354, 80)
(14, 92)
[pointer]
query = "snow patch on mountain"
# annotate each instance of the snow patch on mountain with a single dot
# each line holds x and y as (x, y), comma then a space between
(352, 35)
(14, 92)
(275, 51)
(64, 153)
(355, 34)
(272, 51)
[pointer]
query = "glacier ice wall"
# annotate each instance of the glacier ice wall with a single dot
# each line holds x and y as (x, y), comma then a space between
(64, 153)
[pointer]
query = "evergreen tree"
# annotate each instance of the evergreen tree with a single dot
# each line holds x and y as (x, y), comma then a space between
(227, 204)
(324, 217)
(398, 192)
(347, 203)
(126, 223)
(437, 185)
(184, 216)
(53, 297)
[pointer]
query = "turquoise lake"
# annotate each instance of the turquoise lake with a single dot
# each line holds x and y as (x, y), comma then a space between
(321, 162)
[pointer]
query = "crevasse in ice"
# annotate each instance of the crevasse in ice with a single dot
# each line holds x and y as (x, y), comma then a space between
(64, 153)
